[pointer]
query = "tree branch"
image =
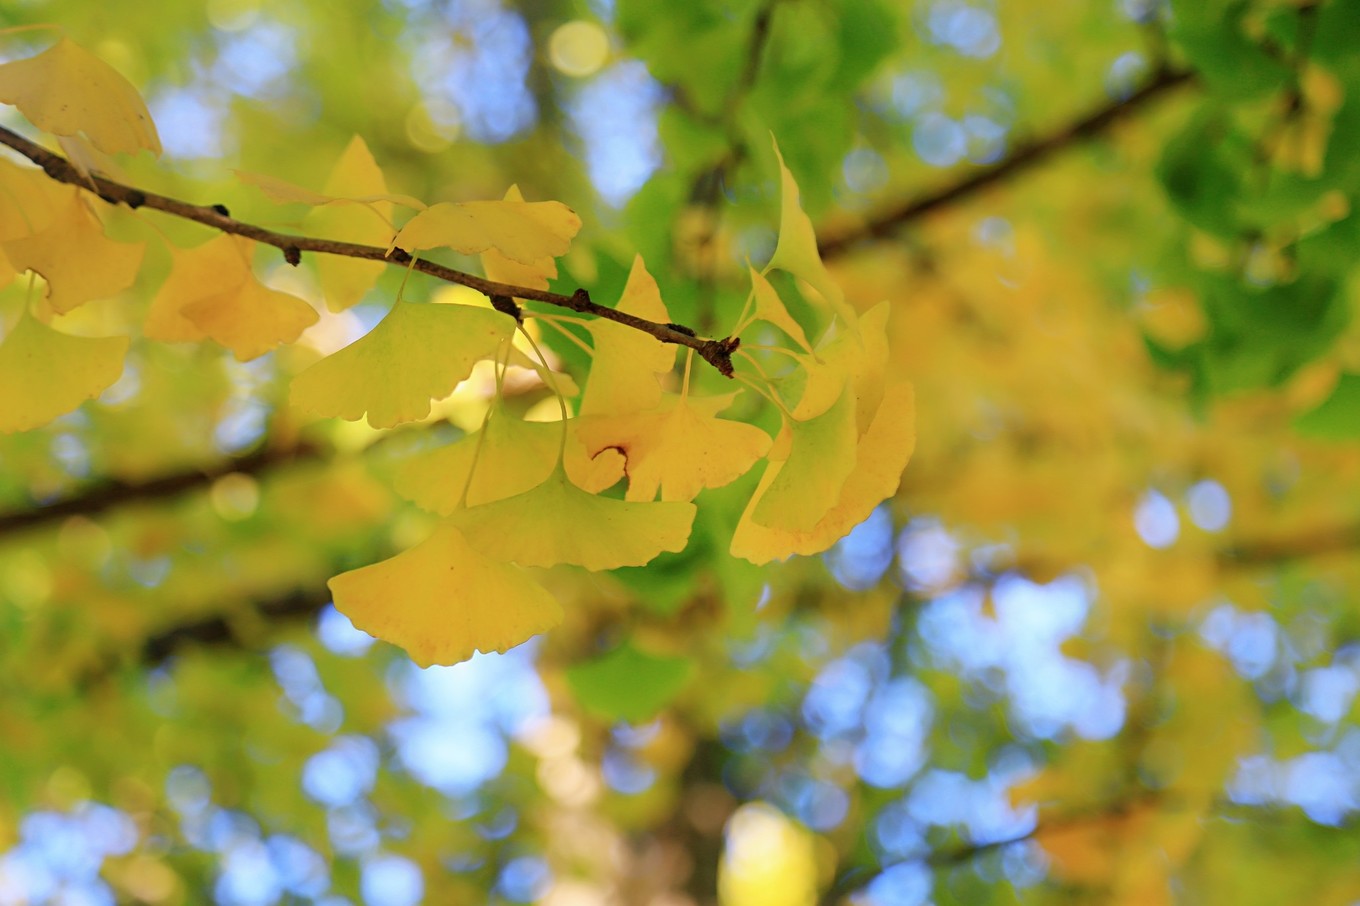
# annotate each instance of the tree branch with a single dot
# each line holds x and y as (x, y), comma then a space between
(717, 353)
(93, 500)
(1024, 156)
(1318, 542)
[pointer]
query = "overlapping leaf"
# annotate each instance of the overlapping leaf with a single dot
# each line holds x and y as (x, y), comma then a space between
(817, 457)
(418, 353)
(74, 256)
(511, 455)
(796, 250)
(66, 90)
(213, 292)
(443, 600)
(879, 458)
(503, 269)
(344, 281)
(45, 373)
(771, 308)
(679, 448)
(28, 200)
(557, 522)
(623, 375)
(523, 231)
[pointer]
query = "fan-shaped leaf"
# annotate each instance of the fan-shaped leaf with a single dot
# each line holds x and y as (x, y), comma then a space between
(557, 522)
(74, 256)
(443, 601)
(880, 457)
(524, 231)
(45, 373)
(67, 90)
(416, 354)
(679, 448)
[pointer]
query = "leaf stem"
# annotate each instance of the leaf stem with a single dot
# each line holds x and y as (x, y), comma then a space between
(557, 391)
(552, 320)
(486, 420)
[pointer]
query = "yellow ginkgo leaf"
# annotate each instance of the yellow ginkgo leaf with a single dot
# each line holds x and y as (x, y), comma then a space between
(524, 231)
(442, 601)
(880, 457)
(557, 522)
(512, 456)
(28, 200)
(251, 319)
(67, 90)
(220, 265)
(284, 192)
(769, 307)
(796, 249)
(416, 354)
(45, 373)
(75, 258)
(344, 281)
(855, 353)
(503, 269)
(680, 448)
(820, 457)
(623, 375)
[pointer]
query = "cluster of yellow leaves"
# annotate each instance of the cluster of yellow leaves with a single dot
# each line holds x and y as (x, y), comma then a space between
(518, 494)
(515, 495)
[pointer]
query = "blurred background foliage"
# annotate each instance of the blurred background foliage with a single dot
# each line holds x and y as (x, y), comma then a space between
(1102, 647)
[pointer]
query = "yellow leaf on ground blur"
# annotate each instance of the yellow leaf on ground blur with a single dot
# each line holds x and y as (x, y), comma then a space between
(74, 256)
(524, 231)
(882, 454)
(443, 601)
(796, 250)
(557, 522)
(67, 90)
(624, 369)
(679, 448)
(416, 354)
(45, 373)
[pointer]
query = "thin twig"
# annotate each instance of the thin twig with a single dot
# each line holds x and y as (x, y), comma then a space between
(717, 353)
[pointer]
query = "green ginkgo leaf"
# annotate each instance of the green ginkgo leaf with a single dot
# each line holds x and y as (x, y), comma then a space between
(628, 683)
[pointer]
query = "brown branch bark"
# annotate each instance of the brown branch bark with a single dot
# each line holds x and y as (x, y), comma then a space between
(717, 353)
(889, 221)
(1317, 542)
(97, 498)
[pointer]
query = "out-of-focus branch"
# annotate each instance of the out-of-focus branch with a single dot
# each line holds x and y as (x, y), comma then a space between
(889, 221)
(1317, 542)
(98, 498)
